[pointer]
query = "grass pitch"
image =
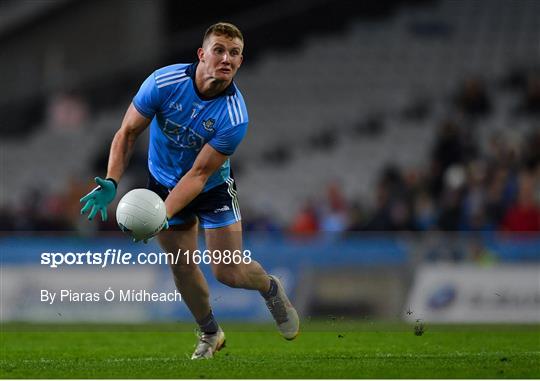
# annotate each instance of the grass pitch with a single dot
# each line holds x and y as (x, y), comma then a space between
(334, 349)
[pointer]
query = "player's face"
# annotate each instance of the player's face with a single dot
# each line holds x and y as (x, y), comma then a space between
(222, 56)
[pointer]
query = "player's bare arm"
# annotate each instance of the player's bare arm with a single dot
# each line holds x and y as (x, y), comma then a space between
(124, 140)
(190, 185)
(121, 149)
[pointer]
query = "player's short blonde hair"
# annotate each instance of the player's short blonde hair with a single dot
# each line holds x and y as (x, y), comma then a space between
(223, 29)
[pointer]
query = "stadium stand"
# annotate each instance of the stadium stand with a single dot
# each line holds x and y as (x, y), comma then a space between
(340, 110)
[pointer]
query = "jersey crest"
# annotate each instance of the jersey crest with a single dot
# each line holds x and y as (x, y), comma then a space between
(182, 136)
(208, 124)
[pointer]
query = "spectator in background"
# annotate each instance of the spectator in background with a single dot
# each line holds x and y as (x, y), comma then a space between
(472, 99)
(393, 203)
(425, 212)
(306, 221)
(496, 203)
(67, 111)
(524, 215)
(450, 210)
(497, 151)
(30, 210)
(334, 212)
(530, 104)
(531, 151)
(503, 161)
(7, 219)
(42, 212)
(447, 150)
(380, 217)
(475, 199)
(401, 218)
(356, 217)
(403, 214)
(75, 186)
(450, 203)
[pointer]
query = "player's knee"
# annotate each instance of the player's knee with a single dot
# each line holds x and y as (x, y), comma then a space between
(228, 276)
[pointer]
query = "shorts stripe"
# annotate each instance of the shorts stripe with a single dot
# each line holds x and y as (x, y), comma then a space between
(233, 205)
(230, 190)
(234, 195)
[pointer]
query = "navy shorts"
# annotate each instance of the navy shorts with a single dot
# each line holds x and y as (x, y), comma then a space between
(215, 208)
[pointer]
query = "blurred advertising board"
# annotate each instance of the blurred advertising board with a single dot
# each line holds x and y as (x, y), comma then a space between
(455, 293)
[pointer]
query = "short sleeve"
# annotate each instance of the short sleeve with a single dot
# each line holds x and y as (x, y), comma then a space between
(226, 140)
(147, 100)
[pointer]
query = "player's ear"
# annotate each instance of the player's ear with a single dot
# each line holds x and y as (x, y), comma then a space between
(200, 54)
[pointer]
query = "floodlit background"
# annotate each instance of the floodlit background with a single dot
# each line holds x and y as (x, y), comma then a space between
(390, 171)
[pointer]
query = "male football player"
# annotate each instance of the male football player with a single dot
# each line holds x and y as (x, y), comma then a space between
(197, 118)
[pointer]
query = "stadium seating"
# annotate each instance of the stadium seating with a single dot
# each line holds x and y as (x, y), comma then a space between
(385, 66)
(333, 82)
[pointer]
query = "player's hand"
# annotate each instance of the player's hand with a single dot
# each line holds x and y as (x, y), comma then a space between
(99, 198)
(165, 227)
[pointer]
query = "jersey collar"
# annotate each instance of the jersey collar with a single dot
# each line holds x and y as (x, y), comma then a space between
(192, 69)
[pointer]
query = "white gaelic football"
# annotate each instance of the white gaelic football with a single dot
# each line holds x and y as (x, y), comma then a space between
(141, 213)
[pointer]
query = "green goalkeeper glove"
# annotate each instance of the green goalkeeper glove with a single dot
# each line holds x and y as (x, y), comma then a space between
(99, 198)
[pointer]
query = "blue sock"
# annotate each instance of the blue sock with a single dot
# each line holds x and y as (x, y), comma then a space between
(272, 291)
(208, 324)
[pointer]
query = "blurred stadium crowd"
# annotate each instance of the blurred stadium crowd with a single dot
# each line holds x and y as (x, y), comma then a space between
(473, 178)
(465, 185)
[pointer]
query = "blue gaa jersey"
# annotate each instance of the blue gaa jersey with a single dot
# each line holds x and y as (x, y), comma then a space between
(182, 123)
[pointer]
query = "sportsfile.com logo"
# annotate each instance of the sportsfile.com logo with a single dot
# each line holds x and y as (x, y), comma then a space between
(119, 257)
